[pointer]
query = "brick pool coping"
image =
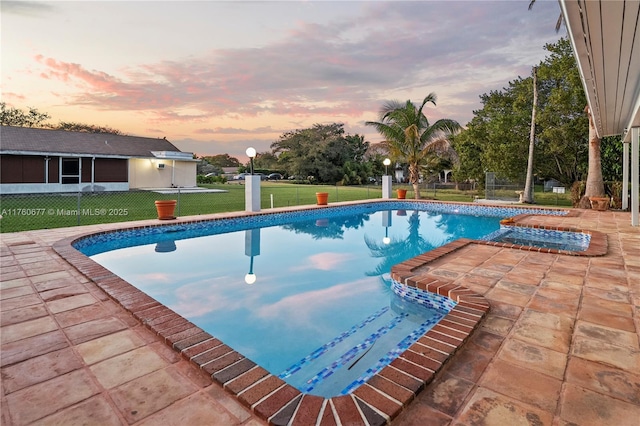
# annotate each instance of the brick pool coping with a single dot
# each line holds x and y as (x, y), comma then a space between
(376, 402)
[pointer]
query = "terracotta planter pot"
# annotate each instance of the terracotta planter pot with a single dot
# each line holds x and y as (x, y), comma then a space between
(402, 194)
(599, 203)
(322, 198)
(165, 209)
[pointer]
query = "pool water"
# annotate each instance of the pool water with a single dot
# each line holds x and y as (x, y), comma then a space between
(311, 300)
(535, 237)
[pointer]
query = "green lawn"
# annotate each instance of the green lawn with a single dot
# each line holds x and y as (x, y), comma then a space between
(46, 211)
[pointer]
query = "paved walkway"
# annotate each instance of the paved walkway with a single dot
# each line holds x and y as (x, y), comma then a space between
(559, 346)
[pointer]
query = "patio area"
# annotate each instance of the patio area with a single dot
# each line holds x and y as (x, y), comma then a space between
(559, 345)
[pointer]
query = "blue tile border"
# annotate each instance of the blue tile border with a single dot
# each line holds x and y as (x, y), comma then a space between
(110, 240)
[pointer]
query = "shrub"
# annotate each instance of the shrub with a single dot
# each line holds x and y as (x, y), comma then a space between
(612, 189)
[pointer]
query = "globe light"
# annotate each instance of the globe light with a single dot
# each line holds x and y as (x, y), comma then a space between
(386, 163)
(251, 153)
(250, 278)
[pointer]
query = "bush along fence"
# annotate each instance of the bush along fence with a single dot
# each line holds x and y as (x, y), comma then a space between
(47, 211)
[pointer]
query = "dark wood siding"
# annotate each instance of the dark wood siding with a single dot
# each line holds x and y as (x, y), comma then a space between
(31, 169)
(86, 170)
(10, 169)
(21, 169)
(111, 170)
(54, 170)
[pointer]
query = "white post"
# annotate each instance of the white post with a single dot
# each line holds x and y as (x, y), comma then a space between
(386, 222)
(252, 193)
(93, 173)
(386, 187)
(635, 174)
(625, 175)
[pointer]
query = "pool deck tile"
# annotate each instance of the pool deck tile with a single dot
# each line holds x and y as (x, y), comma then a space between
(555, 341)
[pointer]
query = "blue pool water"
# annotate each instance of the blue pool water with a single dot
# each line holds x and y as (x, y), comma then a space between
(545, 238)
(307, 297)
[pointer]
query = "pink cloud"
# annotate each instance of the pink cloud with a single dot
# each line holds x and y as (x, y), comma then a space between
(326, 261)
(338, 68)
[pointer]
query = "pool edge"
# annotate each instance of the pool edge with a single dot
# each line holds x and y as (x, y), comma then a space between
(378, 401)
(598, 244)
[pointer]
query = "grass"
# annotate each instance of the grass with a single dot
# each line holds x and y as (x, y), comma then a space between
(47, 211)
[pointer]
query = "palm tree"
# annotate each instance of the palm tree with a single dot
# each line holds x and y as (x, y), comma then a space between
(595, 182)
(560, 20)
(409, 136)
(527, 196)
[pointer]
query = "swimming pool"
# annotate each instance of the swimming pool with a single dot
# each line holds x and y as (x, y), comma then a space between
(317, 285)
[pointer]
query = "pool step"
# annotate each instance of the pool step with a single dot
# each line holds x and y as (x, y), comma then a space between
(358, 353)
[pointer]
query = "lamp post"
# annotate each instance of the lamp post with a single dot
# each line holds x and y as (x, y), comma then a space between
(251, 153)
(251, 186)
(386, 180)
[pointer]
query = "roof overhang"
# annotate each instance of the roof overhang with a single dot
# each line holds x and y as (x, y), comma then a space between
(61, 154)
(156, 155)
(606, 43)
(173, 155)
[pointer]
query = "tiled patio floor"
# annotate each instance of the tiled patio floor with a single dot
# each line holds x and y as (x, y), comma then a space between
(559, 346)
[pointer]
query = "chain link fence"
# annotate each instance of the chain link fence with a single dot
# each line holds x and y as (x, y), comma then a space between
(48, 211)
(501, 189)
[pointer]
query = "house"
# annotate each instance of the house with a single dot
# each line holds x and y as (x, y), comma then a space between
(36, 160)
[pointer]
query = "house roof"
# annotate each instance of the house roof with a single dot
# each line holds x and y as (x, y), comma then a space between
(34, 141)
(606, 42)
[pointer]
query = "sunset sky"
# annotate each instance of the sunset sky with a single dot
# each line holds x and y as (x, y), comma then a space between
(218, 76)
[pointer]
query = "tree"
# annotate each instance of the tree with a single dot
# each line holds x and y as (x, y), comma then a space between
(71, 126)
(495, 139)
(611, 152)
(321, 153)
(562, 142)
(221, 160)
(10, 116)
(528, 188)
(560, 20)
(266, 161)
(595, 183)
(469, 166)
(409, 136)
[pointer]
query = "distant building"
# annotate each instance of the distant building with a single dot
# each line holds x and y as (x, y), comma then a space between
(550, 184)
(44, 160)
